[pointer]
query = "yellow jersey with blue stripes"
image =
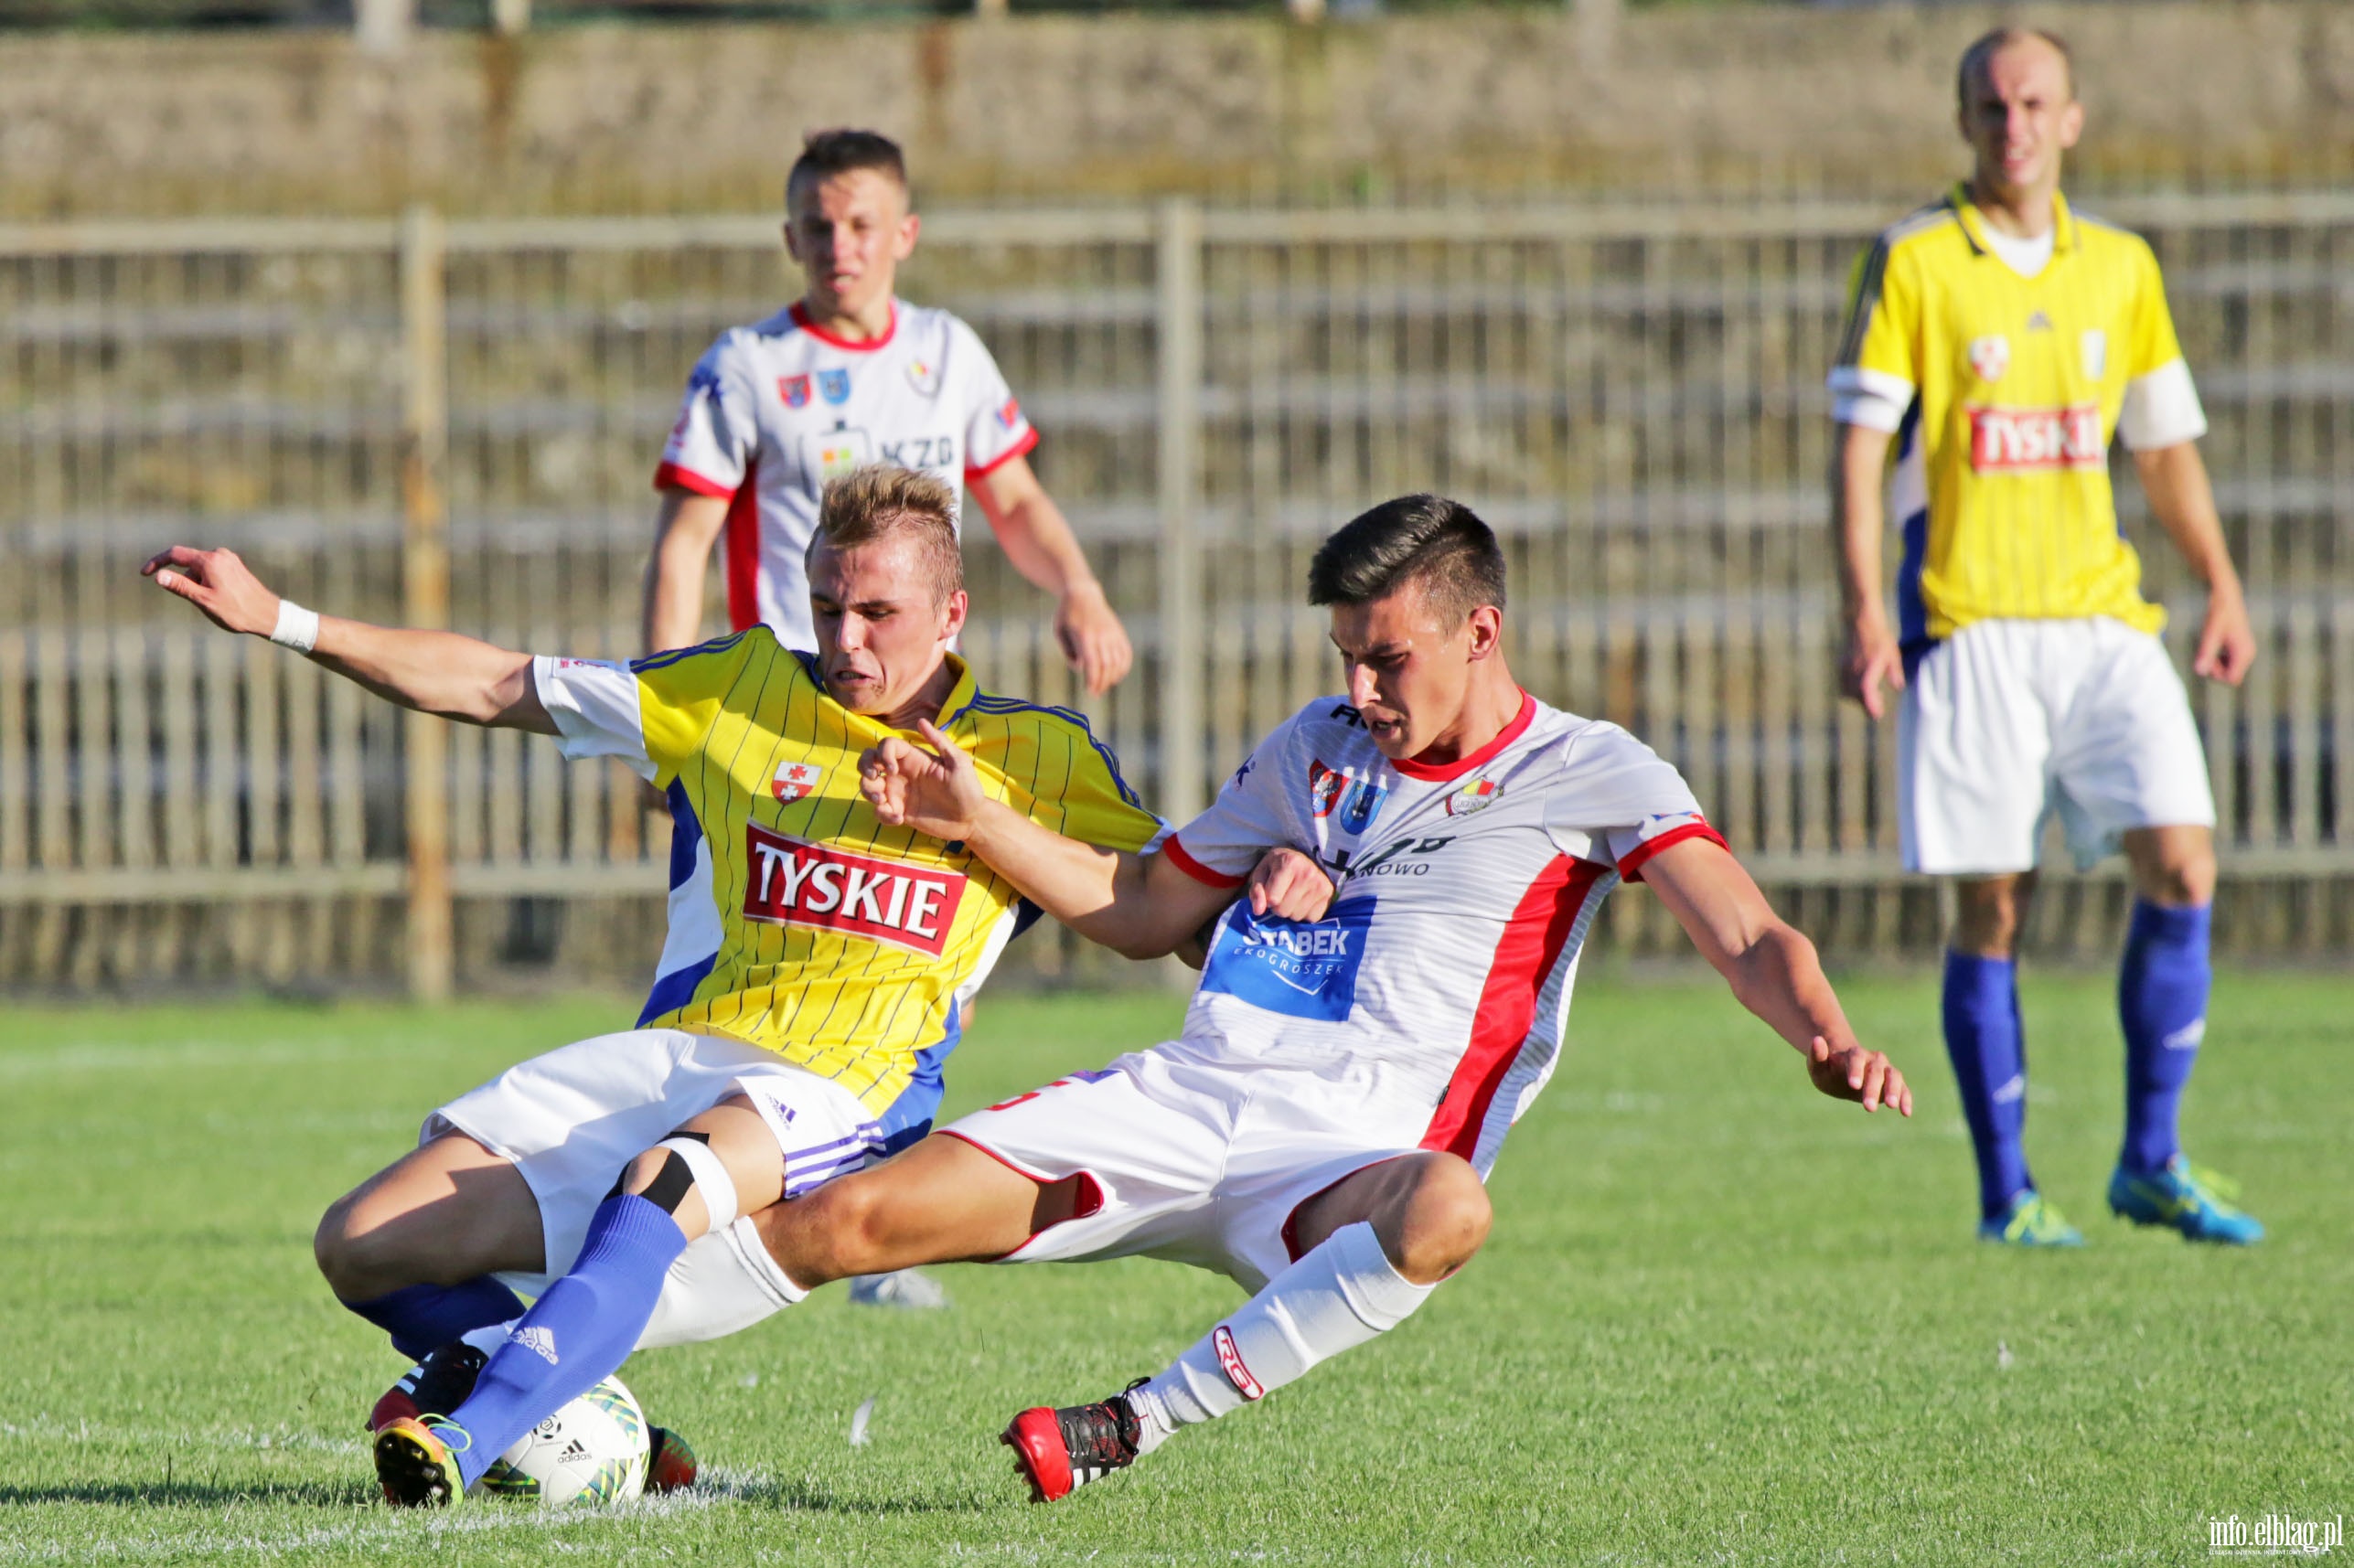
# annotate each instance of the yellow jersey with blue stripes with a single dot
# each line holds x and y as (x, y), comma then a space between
(2003, 391)
(798, 921)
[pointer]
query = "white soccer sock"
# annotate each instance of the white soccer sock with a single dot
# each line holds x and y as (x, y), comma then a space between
(1335, 1299)
(725, 1281)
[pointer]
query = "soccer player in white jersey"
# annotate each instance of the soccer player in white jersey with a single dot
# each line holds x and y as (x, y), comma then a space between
(850, 375)
(1999, 339)
(1322, 1131)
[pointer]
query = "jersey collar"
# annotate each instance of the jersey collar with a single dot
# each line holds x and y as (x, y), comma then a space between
(1975, 226)
(801, 319)
(1441, 773)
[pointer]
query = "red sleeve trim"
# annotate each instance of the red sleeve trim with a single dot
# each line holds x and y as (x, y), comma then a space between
(1194, 869)
(670, 476)
(1631, 867)
(1023, 448)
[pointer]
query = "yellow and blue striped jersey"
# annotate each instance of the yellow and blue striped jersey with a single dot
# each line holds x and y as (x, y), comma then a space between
(798, 921)
(2004, 391)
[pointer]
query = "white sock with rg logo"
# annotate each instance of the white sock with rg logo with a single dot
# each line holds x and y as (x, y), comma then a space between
(1335, 1299)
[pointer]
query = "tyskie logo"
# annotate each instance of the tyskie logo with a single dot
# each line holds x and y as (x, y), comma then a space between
(1230, 1363)
(2036, 440)
(793, 882)
(796, 780)
(794, 391)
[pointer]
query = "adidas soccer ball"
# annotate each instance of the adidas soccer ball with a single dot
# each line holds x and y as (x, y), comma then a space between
(592, 1451)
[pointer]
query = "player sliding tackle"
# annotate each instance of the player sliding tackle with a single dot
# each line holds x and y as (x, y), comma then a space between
(1322, 1131)
(808, 994)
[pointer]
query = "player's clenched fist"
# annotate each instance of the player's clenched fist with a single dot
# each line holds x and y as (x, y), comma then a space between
(933, 788)
(1868, 1077)
(1288, 885)
(217, 582)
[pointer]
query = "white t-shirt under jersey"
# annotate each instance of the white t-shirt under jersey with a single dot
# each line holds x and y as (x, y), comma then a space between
(774, 410)
(1441, 972)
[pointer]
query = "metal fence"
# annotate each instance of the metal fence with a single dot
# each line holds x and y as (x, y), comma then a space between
(456, 423)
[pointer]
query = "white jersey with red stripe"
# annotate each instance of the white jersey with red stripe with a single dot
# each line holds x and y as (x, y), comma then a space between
(774, 410)
(1440, 976)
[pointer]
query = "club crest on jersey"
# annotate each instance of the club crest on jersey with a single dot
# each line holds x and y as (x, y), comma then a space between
(1325, 787)
(834, 386)
(1010, 413)
(2093, 344)
(1363, 804)
(1476, 796)
(794, 391)
(1990, 357)
(925, 376)
(796, 780)
(791, 882)
(1302, 969)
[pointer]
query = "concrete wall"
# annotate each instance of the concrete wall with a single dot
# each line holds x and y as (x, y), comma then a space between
(608, 118)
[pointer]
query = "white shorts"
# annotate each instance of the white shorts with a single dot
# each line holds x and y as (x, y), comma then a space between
(571, 1120)
(1198, 1162)
(2006, 721)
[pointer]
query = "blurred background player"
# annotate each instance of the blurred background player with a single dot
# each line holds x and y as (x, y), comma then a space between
(1999, 339)
(846, 376)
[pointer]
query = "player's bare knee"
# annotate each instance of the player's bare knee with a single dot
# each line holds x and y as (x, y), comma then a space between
(2178, 870)
(1988, 916)
(357, 1259)
(1446, 1220)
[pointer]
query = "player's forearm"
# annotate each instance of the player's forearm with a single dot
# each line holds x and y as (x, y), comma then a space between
(1096, 892)
(1859, 518)
(1780, 979)
(1038, 540)
(672, 613)
(2175, 480)
(440, 673)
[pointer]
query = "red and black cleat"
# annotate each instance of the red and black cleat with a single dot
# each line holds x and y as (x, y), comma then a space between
(670, 1464)
(1058, 1450)
(434, 1386)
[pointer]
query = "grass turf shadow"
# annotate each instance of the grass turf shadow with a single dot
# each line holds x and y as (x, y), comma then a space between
(193, 1494)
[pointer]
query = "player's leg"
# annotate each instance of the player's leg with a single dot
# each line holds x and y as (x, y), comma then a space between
(2133, 775)
(1370, 1250)
(1972, 744)
(412, 1249)
(582, 1329)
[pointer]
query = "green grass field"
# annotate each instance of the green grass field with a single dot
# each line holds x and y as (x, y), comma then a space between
(1721, 1320)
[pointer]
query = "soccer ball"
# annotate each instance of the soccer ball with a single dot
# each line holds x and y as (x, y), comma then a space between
(592, 1451)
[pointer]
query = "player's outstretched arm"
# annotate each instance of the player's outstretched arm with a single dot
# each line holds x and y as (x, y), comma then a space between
(1773, 969)
(1138, 905)
(2175, 479)
(1038, 540)
(431, 672)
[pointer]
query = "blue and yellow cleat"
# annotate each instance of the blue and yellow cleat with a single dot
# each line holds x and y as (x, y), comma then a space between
(415, 1467)
(2186, 1198)
(2030, 1221)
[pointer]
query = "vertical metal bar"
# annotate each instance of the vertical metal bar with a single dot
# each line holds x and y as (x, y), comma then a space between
(425, 590)
(1178, 288)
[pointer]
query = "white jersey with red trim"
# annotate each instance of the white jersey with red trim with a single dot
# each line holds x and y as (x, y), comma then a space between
(774, 410)
(1440, 976)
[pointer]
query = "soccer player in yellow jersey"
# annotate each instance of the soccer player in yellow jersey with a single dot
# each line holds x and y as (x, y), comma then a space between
(803, 1006)
(1999, 339)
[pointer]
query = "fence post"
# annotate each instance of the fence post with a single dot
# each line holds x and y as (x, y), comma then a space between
(425, 589)
(1178, 306)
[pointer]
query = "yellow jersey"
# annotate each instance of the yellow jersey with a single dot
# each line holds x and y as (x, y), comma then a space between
(798, 922)
(2003, 392)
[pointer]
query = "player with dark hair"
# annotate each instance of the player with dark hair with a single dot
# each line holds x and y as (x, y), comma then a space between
(818, 963)
(1999, 338)
(846, 376)
(1323, 1130)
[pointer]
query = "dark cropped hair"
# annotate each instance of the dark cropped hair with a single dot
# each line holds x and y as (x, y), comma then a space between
(825, 153)
(1426, 540)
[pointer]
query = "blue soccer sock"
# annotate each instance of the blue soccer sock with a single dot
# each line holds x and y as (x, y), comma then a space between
(1988, 1047)
(422, 1317)
(575, 1336)
(2162, 1002)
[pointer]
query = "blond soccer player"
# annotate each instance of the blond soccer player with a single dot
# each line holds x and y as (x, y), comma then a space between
(1999, 341)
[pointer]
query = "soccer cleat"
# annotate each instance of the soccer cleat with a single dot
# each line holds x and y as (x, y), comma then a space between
(2030, 1221)
(669, 1463)
(434, 1386)
(2186, 1198)
(1059, 1450)
(415, 1467)
(907, 1288)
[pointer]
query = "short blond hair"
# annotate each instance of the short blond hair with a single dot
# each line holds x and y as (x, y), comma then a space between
(883, 500)
(1979, 58)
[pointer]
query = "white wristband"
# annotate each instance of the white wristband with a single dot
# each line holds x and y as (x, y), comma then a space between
(297, 628)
